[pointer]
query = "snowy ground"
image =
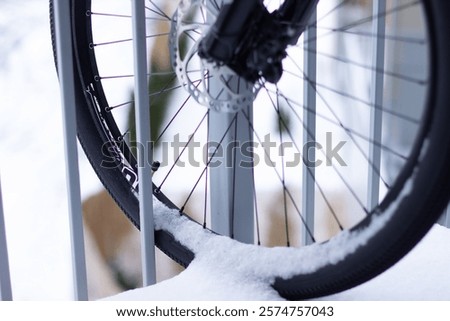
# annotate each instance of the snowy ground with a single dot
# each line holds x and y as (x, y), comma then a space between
(34, 194)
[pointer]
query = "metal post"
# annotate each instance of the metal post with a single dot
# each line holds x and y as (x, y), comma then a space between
(376, 114)
(232, 202)
(231, 185)
(66, 77)
(309, 131)
(145, 157)
(5, 280)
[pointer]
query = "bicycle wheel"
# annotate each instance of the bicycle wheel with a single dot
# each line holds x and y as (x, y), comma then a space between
(412, 174)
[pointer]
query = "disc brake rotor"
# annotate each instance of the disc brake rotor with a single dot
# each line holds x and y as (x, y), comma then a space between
(210, 84)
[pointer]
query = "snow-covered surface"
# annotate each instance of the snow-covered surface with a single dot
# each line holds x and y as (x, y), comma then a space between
(34, 195)
(421, 275)
(242, 265)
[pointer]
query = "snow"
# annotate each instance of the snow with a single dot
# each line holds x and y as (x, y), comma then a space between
(35, 203)
(421, 275)
(232, 270)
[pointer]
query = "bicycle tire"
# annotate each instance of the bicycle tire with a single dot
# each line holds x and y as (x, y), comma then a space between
(414, 214)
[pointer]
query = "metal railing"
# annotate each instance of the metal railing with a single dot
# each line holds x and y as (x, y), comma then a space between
(66, 76)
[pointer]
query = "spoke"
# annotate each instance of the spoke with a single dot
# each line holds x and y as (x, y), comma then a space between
(397, 38)
(366, 20)
(150, 95)
(209, 161)
(420, 82)
(292, 102)
(164, 89)
(173, 118)
(281, 123)
(316, 183)
(216, 5)
(349, 133)
(379, 15)
(197, 83)
(166, 73)
(233, 193)
(308, 230)
(158, 10)
(115, 15)
(169, 89)
(351, 190)
(352, 97)
(182, 151)
(391, 112)
(114, 42)
(127, 103)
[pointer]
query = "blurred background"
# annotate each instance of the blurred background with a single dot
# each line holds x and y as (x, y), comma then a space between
(32, 155)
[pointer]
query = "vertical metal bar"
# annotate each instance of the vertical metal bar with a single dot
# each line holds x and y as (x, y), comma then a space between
(376, 115)
(309, 131)
(143, 138)
(231, 185)
(66, 78)
(5, 279)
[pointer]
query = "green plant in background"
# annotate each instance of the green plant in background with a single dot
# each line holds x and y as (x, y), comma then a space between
(160, 82)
